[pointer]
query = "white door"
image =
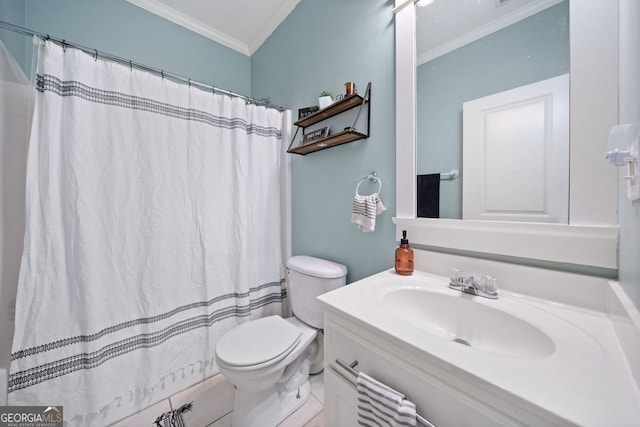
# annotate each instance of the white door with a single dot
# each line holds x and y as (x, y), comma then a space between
(515, 156)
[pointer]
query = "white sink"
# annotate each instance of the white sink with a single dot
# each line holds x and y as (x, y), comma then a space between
(543, 361)
(468, 321)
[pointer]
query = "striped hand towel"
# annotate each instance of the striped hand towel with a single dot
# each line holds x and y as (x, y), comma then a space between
(380, 406)
(365, 209)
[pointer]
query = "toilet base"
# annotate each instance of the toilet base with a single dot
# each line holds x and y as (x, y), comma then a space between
(268, 408)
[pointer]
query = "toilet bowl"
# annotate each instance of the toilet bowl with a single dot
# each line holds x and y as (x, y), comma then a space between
(269, 359)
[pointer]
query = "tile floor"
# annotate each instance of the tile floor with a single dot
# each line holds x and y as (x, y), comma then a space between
(311, 414)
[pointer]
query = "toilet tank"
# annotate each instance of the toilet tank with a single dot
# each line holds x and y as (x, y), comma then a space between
(308, 278)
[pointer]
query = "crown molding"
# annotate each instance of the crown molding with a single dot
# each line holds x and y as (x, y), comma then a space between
(485, 30)
(270, 26)
(194, 25)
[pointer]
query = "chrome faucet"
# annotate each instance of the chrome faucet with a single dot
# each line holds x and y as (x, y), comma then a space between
(485, 286)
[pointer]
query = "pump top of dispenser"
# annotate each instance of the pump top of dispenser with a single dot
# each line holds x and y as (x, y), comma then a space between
(404, 240)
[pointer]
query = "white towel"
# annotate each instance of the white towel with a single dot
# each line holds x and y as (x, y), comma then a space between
(365, 209)
(379, 405)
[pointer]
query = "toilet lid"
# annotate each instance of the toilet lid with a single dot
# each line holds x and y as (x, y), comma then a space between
(257, 341)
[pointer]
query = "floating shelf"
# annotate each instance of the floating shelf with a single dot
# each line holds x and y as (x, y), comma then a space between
(328, 142)
(330, 111)
(348, 135)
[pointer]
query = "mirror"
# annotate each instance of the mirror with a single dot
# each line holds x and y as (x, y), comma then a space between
(473, 49)
(590, 237)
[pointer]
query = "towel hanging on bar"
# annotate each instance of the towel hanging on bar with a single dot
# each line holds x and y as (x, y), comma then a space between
(350, 368)
(365, 209)
(380, 405)
(428, 195)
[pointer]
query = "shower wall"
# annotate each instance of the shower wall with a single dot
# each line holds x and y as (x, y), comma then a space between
(13, 11)
(15, 107)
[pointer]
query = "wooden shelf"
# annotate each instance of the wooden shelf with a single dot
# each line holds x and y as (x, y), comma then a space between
(352, 133)
(330, 141)
(333, 109)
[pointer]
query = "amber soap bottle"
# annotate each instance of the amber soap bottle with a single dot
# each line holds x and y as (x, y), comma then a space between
(404, 256)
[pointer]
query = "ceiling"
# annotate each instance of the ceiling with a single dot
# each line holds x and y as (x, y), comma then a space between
(242, 25)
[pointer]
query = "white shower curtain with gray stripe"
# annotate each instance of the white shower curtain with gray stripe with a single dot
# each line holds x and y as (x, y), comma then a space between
(153, 226)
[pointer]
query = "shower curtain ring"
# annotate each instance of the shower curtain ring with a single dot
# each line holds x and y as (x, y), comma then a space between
(95, 58)
(131, 65)
(64, 45)
(162, 74)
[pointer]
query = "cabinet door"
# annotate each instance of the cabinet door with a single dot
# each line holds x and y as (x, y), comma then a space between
(438, 401)
(340, 401)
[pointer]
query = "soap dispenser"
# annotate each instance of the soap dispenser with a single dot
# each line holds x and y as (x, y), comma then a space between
(404, 256)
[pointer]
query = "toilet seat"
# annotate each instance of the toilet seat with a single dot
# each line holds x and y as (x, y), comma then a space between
(258, 342)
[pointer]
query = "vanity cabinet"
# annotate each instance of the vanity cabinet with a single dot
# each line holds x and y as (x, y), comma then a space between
(439, 397)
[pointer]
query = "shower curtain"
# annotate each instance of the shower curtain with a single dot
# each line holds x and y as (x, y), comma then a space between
(153, 226)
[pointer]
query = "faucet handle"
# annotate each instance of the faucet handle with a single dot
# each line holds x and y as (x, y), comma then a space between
(488, 283)
(455, 276)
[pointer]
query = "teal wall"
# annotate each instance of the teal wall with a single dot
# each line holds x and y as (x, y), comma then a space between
(629, 211)
(125, 30)
(320, 46)
(533, 49)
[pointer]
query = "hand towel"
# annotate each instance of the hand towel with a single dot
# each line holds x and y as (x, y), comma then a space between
(428, 196)
(365, 209)
(380, 405)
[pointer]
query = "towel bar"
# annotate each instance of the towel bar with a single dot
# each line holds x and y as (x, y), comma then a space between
(452, 174)
(373, 177)
(353, 371)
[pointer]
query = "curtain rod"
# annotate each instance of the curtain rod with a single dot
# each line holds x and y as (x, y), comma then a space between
(174, 77)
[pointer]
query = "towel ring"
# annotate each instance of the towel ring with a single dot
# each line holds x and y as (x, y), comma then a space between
(373, 177)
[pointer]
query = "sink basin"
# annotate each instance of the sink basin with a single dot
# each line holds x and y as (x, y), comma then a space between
(469, 321)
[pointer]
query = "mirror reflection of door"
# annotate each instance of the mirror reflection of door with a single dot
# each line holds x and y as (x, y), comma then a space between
(506, 50)
(516, 154)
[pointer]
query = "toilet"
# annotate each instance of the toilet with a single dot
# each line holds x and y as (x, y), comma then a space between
(269, 359)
